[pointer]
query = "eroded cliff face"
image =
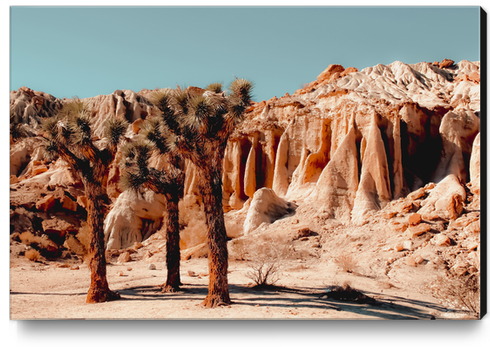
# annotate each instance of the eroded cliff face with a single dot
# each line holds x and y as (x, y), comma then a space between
(344, 146)
(352, 141)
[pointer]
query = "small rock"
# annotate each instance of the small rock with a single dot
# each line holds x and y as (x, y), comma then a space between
(192, 273)
(399, 228)
(38, 170)
(45, 204)
(473, 228)
(417, 230)
(68, 203)
(82, 201)
(138, 245)
(152, 267)
(129, 269)
(408, 245)
(399, 247)
(418, 259)
(120, 273)
(76, 267)
(414, 219)
(442, 240)
(124, 257)
(474, 258)
(410, 261)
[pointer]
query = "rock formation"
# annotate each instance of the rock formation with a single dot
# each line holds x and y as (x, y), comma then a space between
(266, 207)
(344, 146)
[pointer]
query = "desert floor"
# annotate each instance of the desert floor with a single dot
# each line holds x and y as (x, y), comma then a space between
(57, 290)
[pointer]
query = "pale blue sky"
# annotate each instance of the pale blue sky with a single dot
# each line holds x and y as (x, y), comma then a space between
(87, 51)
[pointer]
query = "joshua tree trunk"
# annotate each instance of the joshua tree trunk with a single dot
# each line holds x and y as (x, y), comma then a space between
(212, 194)
(99, 289)
(173, 247)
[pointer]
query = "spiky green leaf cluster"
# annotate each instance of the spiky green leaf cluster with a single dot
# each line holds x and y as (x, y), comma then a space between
(71, 130)
(240, 99)
(216, 87)
(115, 129)
(188, 116)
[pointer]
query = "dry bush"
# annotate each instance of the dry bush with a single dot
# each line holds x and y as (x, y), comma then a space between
(459, 292)
(347, 263)
(267, 258)
(346, 292)
(29, 238)
(32, 254)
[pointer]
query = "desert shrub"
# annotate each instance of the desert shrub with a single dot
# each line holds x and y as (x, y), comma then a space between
(267, 258)
(30, 239)
(459, 292)
(346, 292)
(346, 263)
(32, 254)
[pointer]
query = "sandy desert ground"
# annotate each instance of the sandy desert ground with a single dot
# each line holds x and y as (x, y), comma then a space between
(57, 289)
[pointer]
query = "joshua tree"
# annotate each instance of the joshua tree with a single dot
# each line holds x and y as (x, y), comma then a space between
(197, 124)
(69, 135)
(170, 182)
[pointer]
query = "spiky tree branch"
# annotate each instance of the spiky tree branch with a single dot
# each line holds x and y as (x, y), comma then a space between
(199, 128)
(69, 136)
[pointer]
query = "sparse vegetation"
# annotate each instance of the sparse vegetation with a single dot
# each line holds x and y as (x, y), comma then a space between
(138, 175)
(459, 292)
(195, 124)
(32, 254)
(266, 258)
(346, 263)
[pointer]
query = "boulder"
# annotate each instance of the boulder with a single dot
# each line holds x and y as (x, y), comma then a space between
(38, 169)
(136, 125)
(415, 231)
(446, 63)
(414, 219)
(474, 77)
(475, 165)
(408, 245)
(58, 227)
(45, 204)
(82, 201)
(124, 258)
(458, 130)
(473, 228)
(133, 218)
(445, 200)
(74, 245)
(68, 204)
(442, 240)
(266, 207)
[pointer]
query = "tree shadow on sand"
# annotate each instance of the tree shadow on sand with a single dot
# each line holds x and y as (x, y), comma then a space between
(367, 305)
